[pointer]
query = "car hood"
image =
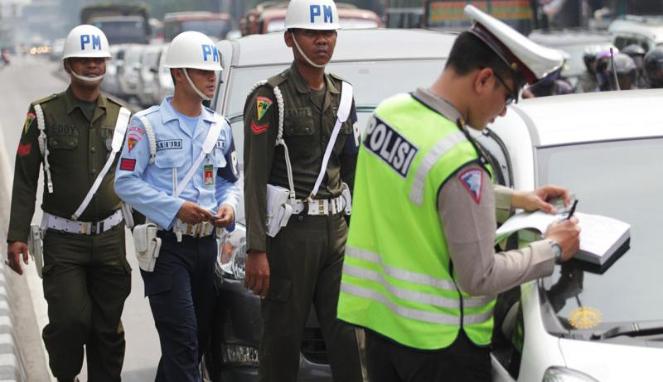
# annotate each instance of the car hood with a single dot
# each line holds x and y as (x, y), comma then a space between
(607, 361)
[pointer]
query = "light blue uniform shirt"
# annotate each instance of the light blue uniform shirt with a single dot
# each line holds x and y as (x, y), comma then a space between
(149, 187)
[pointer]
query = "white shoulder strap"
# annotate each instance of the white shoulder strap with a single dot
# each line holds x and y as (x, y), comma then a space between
(43, 146)
(342, 115)
(151, 137)
(279, 136)
(208, 146)
(116, 145)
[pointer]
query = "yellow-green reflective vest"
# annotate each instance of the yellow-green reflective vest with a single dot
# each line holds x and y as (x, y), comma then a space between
(397, 277)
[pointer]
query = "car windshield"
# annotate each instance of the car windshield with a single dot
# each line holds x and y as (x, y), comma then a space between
(372, 81)
(620, 180)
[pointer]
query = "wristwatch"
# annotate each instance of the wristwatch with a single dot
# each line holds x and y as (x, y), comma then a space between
(557, 251)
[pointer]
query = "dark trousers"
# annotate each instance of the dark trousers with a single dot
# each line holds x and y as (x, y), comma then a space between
(463, 361)
(182, 295)
(306, 260)
(86, 281)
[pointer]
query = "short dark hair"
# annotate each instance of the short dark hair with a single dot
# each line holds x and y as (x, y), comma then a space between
(470, 53)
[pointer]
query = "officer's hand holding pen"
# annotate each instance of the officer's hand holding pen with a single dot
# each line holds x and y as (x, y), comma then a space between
(191, 213)
(566, 233)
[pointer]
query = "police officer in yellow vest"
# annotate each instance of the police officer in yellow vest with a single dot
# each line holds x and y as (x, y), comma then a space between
(421, 275)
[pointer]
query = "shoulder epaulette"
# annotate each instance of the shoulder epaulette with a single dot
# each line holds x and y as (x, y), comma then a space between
(46, 99)
(277, 79)
(148, 111)
(337, 77)
(117, 101)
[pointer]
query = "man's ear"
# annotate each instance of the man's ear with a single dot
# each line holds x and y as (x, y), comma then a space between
(482, 80)
(65, 65)
(287, 37)
(177, 75)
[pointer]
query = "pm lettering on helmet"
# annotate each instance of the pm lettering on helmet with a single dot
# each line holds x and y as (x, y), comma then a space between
(93, 39)
(325, 11)
(210, 50)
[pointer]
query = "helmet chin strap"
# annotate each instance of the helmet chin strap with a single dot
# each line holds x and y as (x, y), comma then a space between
(90, 80)
(313, 64)
(195, 89)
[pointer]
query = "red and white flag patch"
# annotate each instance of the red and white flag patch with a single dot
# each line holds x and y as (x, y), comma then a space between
(127, 164)
(471, 180)
(24, 149)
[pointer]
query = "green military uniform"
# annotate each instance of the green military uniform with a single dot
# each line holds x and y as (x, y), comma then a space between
(86, 278)
(306, 256)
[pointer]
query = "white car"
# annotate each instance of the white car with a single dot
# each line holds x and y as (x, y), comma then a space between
(129, 71)
(148, 90)
(606, 148)
(646, 31)
(372, 62)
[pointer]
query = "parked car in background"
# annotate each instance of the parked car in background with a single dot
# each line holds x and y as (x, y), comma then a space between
(149, 70)
(646, 31)
(129, 71)
(214, 25)
(573, 42)
(368, 60)
(111, 82)
(584, 323)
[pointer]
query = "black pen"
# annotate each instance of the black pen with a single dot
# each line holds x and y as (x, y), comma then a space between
(572, 210)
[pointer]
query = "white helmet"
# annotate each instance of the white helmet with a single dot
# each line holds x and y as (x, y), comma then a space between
(86, 41)
(193, 50)
(312, 14)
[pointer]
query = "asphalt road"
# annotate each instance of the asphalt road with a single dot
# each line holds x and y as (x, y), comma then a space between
(26, 80)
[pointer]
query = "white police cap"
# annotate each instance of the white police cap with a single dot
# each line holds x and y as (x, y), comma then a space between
(525, 57)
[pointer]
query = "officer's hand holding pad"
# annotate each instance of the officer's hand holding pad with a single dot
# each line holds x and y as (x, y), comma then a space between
(191, 213)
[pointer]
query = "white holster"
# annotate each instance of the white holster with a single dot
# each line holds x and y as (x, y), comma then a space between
(36, 247)
(147, 245)
(347, 196)
(279, 209)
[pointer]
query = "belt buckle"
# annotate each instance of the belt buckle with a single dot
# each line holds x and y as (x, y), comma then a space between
(86, 228)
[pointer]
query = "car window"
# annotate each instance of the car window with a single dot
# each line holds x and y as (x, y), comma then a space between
(372, 81)
(622, 180)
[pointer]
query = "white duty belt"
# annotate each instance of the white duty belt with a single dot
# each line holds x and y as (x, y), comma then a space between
(57, 223)
(331, 206)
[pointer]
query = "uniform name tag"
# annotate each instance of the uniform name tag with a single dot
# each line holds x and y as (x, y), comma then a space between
(170, 144)
(390, 146)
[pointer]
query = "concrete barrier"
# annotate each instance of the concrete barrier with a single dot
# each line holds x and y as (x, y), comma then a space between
(11, 364)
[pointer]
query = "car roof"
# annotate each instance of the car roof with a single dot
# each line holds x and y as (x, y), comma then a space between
(351, 45)
(567, 37)
(588, 117)
(651, 27)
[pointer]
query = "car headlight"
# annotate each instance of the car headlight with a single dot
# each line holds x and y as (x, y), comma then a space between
(563, 374)
(232, 253)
